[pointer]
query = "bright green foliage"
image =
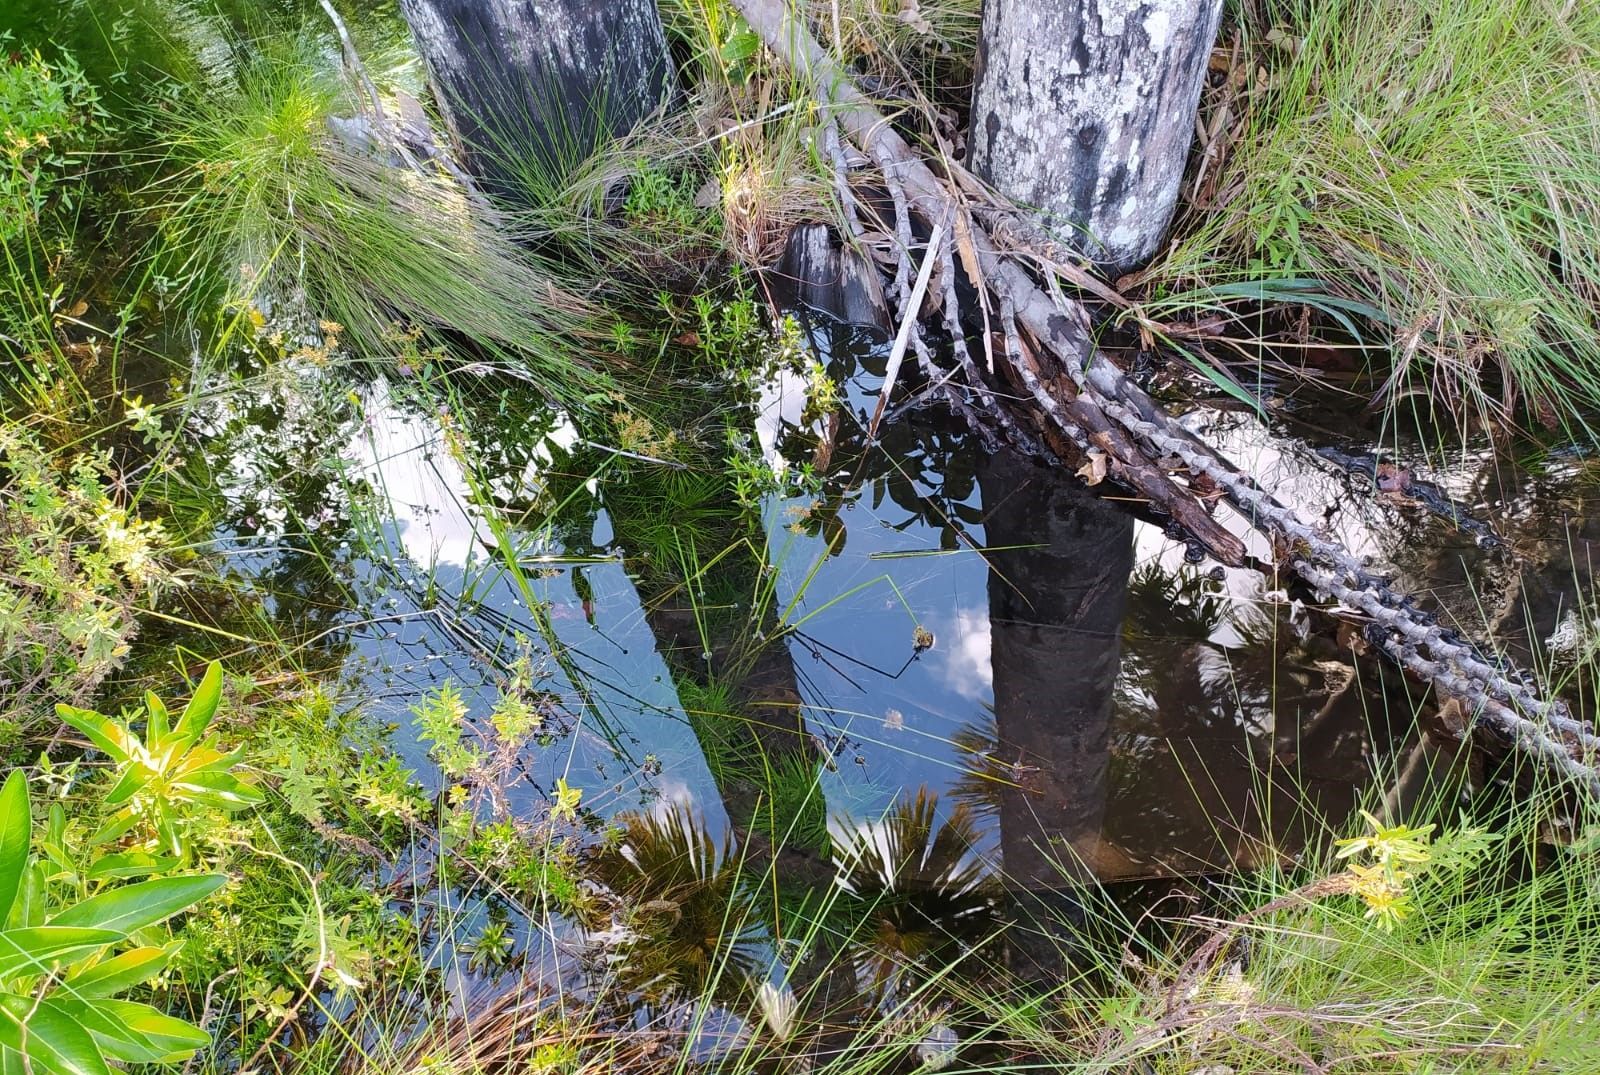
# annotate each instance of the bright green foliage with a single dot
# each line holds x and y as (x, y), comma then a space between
(71, 944)
(170, 774)
(43, 108)
(441, 720)
(1396, 853)
(46, 109)
(74, 567)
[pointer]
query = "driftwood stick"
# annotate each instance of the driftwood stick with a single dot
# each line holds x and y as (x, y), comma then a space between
(1085, 400)
(909, 312)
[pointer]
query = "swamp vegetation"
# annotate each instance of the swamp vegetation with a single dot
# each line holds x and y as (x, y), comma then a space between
(463, 628)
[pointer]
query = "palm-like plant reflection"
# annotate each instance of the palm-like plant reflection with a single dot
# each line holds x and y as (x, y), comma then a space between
(689, 928)
(917, 890)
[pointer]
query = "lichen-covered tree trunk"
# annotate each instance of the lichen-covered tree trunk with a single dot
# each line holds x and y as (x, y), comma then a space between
(1085, 110)
(531, 87)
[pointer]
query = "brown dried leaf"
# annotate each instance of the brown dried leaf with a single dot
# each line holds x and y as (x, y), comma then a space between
(1093, 471)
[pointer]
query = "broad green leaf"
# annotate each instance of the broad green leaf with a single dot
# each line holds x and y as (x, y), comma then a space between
(167, 829)
(128, 864)
(53, 1043)
(31, 949)
(114, 828)
(16, 827)
(12, 1062)
(202, 706)
(54, 841)
(144, 903)
(103, 732)
(124, 971)
(135, 1033)
(205, 759)
(31, 902)
(127, 786)
(222, 790)
(171, 1035)
(155, 732)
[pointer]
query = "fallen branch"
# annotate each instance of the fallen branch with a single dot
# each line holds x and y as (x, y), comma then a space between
(1081, 400)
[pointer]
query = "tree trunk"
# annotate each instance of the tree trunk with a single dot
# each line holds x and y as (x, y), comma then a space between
(531, 87)
(1085, 110)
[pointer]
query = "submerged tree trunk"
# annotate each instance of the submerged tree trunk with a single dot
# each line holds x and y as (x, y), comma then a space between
(531, 87)
(1085, 110)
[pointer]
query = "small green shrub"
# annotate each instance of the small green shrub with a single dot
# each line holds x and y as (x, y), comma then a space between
(45, 109)
(73, 940)
(74, 567)
(46, 113)
(169, 775)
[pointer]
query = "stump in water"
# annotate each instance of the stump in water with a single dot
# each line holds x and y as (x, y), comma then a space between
(1084, 109)
(1079, 402)
(530, 89)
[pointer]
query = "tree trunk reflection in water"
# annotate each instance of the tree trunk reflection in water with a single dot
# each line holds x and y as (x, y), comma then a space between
(1055, 615)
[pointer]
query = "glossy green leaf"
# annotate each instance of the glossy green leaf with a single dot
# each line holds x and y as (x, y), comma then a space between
(171, 1035)
(159, 723)
(114, 828)
(202, 706)
(124, 971)
(144, 903)
(32, 949)
(127, 786)
(16, 827)
(31, 902)
(102, 731)
(129, 864)
(134, 1033)
(222, 790)
(54, 1044)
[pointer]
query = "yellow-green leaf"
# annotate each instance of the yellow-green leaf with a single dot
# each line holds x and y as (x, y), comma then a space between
(16, 827)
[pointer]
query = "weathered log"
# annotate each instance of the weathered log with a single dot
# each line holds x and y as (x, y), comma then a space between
(530, 89)
(1085, 398)
(1084, 110)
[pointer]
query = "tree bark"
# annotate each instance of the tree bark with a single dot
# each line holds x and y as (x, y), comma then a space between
(531, 87)
(1084, 109)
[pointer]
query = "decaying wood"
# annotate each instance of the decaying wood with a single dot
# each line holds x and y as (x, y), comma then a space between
(1080, 399)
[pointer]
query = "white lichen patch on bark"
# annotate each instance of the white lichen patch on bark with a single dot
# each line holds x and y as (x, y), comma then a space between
(1084, 109)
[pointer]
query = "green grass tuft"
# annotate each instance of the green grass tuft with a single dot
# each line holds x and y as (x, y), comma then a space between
(1440, 162)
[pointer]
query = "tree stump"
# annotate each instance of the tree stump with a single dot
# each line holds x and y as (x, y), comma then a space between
(1084, 110)
(530, 89)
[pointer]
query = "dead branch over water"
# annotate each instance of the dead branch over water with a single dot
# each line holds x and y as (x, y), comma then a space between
(1075, 398)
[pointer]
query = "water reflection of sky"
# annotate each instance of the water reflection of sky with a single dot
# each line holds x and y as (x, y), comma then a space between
(1198, 710)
